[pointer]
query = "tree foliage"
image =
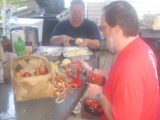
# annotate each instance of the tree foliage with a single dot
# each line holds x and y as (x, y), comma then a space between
(14, 3)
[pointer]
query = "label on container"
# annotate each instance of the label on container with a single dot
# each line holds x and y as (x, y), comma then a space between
(29, 48)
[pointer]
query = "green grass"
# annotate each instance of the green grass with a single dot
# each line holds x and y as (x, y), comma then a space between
(14, 3)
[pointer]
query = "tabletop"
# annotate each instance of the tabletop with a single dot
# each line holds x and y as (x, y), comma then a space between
(42, 109)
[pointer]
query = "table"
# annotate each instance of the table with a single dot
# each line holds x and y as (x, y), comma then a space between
(42, 109)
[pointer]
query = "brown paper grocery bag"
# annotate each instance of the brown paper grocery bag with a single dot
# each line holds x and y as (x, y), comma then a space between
(34, 87)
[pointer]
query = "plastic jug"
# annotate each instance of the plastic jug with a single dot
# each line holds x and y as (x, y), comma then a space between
(20, 46)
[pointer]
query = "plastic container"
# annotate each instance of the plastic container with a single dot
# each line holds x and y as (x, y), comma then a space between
(1, 73)
(20, 46)
(51, 52)
(29, 48)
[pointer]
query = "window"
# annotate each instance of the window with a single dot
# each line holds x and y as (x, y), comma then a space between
(142, 6)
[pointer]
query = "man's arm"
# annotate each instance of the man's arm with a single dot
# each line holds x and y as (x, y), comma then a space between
(57, 40)
(96, 92)
(106, 105)
(61, 39)
(86, 66)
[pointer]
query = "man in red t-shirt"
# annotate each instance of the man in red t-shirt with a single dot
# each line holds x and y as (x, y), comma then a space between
(131, 91)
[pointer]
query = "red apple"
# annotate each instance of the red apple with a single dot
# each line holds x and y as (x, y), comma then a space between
(43, 70)
(27, 74)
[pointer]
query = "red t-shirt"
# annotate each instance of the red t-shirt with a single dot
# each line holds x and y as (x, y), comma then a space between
(132, 84)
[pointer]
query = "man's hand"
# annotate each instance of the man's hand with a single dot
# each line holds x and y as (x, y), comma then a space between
(94, 90)
(66, 39)
(84, 43)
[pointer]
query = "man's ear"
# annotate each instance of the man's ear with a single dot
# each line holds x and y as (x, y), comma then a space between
(117, 29)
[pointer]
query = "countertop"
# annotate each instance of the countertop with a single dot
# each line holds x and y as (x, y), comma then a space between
(42, 109)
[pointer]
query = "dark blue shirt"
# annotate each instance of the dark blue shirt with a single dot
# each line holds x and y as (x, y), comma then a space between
(88, 29)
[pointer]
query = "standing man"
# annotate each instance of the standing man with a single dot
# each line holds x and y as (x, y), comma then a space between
(76, 27)
(131, 90)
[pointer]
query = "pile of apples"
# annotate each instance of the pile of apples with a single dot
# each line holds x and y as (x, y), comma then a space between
(40, 71)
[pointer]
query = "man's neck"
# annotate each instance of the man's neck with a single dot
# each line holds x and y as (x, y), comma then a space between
(125, 41)
(75, 23)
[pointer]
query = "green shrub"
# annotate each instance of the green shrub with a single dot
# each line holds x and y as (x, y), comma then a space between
(14, 3)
